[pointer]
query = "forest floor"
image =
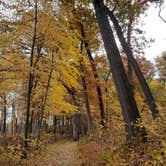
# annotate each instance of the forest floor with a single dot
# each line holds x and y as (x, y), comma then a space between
(62, 153)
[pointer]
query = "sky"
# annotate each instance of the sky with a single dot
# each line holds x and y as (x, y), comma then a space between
(155, 28)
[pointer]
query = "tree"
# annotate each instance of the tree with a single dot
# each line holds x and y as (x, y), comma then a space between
(39, 31)
(147, 68)
(128, 104)
(30, 81)
(98, 88)
(86, 99)
(161, 66)
(134, 63)
(74, 16)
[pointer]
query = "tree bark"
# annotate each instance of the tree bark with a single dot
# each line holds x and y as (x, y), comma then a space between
(76, 126)
(13, 126)
(127, 101)
(30, 83)
(1, 121)
(44, 99)
(107, 97)
(32, 118)
(54, 124)
(134, 63)
(4, 115)
(129, 69)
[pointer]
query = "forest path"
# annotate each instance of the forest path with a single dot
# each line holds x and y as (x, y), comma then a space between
(62, 153)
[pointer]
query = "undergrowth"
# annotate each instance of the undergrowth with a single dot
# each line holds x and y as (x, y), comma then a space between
(115, 150)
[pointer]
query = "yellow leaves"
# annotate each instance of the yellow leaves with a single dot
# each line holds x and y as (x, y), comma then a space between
(57, 100)
(68, 73)
(12, 72)
(63, 107)
(159, 91)
(11, 154)
(53, 34)
(35, 1)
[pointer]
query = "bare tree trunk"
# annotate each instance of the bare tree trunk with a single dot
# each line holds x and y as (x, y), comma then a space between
(127, 101)
(134, 63)
(107, 97)
(44, 99)
(62, 124)
(13, 126)
(4, 114)
(76, 126)
(106, 105)
(129, 69)
(30, 83)
(1, 121)
(54, 124)
(31, 120)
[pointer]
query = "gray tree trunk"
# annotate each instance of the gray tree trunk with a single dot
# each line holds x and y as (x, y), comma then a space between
(127, 101)
(134, 64)
(4, 114)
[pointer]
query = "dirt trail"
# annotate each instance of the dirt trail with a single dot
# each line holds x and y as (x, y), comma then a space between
(62, 153)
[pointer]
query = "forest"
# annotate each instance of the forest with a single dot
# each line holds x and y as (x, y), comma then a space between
(76, 87)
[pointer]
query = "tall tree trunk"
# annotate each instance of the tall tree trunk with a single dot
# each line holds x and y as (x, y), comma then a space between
(4, 115)
(30, 82)
(44, 99)
(98, 89)
(134, 63)
(13, 125)
(106, 105)
(1, 120)
(54, 124)
(87, 105)
(31, 120)
(62, 120)
(127, 101)
(107, 97)
(129, 69)
(76, 126)
(35, 80)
